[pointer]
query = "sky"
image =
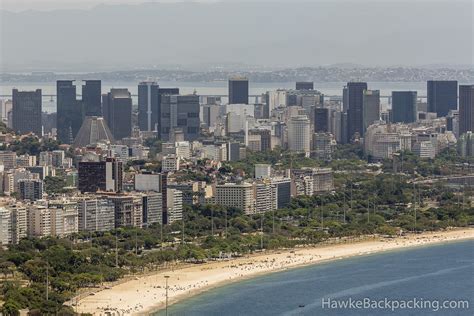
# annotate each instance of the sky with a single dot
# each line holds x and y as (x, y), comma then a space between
(281, 33)
(21, 5)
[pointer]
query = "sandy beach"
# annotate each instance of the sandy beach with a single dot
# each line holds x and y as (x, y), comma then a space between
(142, 295)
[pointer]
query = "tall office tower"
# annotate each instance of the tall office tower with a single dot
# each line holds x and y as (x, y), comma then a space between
(345, 101)
(30, 189)
(100, 176)
(69, 111)
(299, 134)
(304, 85)
(117, 106)
(238, 90)
(26, 112)
(404, 106)
(442, 96)
(95, 214)
(233, 151)
(321, 120)
(91, 98)
(148, 98)
(466, 108)
(180, 113)
(371, 107)
(149, 104)
(355, 114)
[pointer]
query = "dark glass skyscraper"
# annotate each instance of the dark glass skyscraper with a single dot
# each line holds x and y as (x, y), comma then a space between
(180, 112)
(466, 108)
(26, 112)
(149, 105)
(321, 120)
(304, 85)
(404, 106)
(442, 96)
(91, 98)
(117, 108)
(69, 111)
(238, 91)
(148, 98)
(355, 114)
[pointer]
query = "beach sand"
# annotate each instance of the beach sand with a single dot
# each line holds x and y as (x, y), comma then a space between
(142, 295)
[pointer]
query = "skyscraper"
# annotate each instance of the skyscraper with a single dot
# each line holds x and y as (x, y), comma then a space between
(148, 98)
(180, 113)
(299, 139)
(466, 108)
(404, 106)
(149, 104)
(26, 112)
(355, 114)
(442, 96)
(371, 107)
(238, 90)
(69, 111)
(91, 98)
(321, 120)
(304, 85)
(117, 106)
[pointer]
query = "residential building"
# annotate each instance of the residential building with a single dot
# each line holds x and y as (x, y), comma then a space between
(95, 214)
(236, 195)
(104, 176)
(174, 206)
(30, 189)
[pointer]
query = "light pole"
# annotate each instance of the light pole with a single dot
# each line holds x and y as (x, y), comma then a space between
(166, 303)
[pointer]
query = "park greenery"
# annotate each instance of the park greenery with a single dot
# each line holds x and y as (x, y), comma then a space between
(362, 204)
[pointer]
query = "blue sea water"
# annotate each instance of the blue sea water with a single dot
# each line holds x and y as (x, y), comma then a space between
(423, 278)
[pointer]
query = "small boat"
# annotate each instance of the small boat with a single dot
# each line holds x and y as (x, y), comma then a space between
(301, 305)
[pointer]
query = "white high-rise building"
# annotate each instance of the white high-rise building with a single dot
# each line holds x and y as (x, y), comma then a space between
(175, 205)
(5, 226)
(299, 134)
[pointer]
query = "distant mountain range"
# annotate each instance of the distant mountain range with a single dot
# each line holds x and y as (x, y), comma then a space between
(317, 74)
(277, 35)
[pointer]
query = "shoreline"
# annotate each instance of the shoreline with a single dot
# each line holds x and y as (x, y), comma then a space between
(145, 294)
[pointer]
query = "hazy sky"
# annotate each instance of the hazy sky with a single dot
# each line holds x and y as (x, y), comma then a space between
(20, 5)
(280, 33)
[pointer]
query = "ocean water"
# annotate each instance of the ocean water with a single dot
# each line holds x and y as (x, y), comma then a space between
(431, 280)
